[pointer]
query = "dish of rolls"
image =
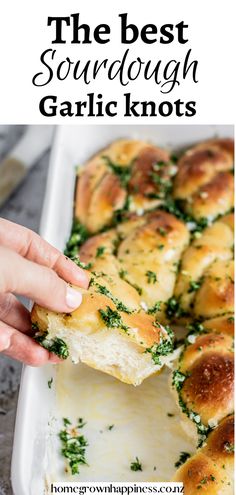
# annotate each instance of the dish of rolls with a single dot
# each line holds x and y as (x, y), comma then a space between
(155, 232)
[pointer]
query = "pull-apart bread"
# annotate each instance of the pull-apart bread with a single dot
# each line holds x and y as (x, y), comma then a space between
(155, 233)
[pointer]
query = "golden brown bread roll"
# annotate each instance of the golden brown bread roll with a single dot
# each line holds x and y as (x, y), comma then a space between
(100, 191)
(203, 272)
(203, 181)
(204, 380)
(108, 333)
(220, 324)
(208, 387)
(144, 252)
(216, 293)
(213, 199)
(210, 470)
(132, 171)
(149, 256)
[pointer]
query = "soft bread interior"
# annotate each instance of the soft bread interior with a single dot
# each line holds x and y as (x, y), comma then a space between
(108, 350)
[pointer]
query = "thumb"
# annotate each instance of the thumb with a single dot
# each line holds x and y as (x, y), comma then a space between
(42, 284)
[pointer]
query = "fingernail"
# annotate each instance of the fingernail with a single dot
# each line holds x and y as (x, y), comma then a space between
(83, 279)
(73, 298)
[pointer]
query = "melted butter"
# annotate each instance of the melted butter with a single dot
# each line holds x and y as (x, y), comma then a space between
(142, 427)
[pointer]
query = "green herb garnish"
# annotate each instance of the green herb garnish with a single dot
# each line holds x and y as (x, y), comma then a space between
(178, 379)
(173, 308)
(81, 264)
(50, 383)
(122, 172)
(151, 276)
(164, 185)
(156, 307)
(73, 446)
(120, 215)
(205, 480)
(79, 234)
(194, 286)
(196, 327)
(59, 347)
(162, 231)
(136, 287)
(100, 251)
(182, 459)
(164, 348)
(136, 465)
(112, 318)
(122, 274)
(55, 345)
(119, 304)
(66, 422)
(81, 423)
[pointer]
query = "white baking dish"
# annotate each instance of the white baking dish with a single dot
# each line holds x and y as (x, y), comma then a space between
(38, 405)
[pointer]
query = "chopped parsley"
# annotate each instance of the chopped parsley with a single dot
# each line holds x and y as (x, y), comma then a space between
(66, 421)
(110, 427)
(174, 158)
(81, 423)
(122, 307)
(196, 327)
(173, 308)
(205, 480)
(56, 345)
(119, 304)
(230, 319)
(79, 234)
(175, 207)
(73, 446)
(164, 185)
(136, 287)
(151, 276)
(156, 307)
(120, 215)
(122, 172)
(162, 231)
(164, 348)
(122, 274)
(182, 459)
(194, 286)
(136, 465)
(112, 318)
(81, 264)
(50, 383)
(100, 251)
(178, 379)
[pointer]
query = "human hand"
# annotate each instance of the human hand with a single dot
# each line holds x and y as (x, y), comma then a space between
(31, 267)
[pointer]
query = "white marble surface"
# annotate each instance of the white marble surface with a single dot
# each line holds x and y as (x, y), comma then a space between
(23, 207)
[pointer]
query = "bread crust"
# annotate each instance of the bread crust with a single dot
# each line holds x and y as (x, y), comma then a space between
(210, 470)
(203, 181)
